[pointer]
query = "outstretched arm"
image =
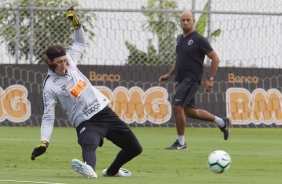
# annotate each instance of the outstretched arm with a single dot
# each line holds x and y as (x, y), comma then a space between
(78, 46)
(46, 125)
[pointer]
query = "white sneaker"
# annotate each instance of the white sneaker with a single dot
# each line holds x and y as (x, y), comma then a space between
(121, 173)
(83, 168)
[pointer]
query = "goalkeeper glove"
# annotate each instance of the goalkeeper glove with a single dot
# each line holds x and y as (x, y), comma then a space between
(39, 150)
(73, 18)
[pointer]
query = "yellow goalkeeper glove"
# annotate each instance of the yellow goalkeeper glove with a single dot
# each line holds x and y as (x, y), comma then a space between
(73, 18)
(39, 150)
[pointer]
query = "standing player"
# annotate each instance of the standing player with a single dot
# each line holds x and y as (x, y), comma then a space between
(191, 49)
(87, 110)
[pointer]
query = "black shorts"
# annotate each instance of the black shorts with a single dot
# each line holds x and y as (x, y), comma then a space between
(104, 124)
(185, 94)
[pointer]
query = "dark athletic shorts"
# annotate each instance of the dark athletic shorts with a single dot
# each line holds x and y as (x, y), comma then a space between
(185, 94)
(104, 124)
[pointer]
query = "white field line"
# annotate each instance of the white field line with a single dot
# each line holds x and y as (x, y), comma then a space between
(18, 181)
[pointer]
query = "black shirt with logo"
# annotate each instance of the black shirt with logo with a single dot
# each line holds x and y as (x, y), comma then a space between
(190, 55)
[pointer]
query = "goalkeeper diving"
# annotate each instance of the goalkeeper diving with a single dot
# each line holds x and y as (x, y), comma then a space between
(86, 108)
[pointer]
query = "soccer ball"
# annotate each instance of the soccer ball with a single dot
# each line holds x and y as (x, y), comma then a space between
(219, 161)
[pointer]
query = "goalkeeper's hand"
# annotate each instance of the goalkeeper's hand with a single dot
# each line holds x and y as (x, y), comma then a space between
(73, 18)
(39, 150)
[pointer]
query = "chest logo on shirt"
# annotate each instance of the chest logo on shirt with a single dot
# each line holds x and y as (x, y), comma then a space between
(190, 42)
(78, 88)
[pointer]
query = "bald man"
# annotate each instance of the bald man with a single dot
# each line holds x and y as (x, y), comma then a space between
(191, 49)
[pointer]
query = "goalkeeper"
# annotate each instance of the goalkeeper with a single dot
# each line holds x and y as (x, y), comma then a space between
(86, 108)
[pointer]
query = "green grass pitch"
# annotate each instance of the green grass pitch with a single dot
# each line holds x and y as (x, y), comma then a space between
(256, 157)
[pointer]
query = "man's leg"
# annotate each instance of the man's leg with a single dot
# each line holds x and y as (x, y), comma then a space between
(199, 114)
(224, 124)
(121, 135)
(130, 148)
(89, 141)
(184, 95)
(180, 119)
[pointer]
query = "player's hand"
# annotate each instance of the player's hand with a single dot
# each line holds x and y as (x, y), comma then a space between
(208, 85)
(73, 18)
(39, 150)
(164, 77)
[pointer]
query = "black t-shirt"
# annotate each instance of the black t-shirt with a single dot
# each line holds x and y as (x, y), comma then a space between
(190, 55)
